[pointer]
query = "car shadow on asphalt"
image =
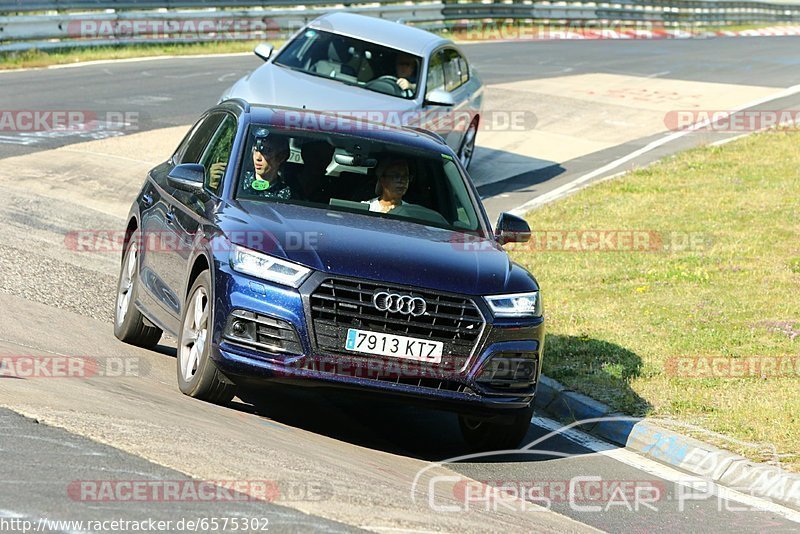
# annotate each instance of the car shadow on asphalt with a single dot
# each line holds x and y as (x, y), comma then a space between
(391, 426)
(397, 427)
(525, 182)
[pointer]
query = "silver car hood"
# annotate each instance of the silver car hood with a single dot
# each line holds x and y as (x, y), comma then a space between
(274, 85)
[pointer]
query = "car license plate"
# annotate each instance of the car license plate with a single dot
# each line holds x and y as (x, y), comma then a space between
(409, 348)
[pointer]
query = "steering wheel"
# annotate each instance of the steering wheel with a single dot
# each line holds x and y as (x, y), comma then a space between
(385, 84)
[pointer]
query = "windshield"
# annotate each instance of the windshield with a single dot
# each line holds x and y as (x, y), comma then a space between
(358, 175)
(353, 62)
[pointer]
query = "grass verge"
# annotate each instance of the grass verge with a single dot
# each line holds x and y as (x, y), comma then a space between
(625, 326)
(45, 58)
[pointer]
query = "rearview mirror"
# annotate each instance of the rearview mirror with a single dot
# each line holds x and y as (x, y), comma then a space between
(438, 97)
(512, 229)
(187, 177)
(355, 160)
(264, 51)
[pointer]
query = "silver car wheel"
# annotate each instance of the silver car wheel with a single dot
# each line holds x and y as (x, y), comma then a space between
(195, 333)
(468, 145)
(125, 290)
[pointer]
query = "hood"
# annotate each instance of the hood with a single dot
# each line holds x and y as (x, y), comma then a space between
(375, 248)
(280, 86)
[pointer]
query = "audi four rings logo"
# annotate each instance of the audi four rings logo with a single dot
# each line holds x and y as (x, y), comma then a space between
(405, 304)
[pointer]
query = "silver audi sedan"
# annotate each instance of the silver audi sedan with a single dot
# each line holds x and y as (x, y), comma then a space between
(372, 69)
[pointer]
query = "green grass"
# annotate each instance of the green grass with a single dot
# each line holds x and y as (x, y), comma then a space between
(46, 58)
(616, 318)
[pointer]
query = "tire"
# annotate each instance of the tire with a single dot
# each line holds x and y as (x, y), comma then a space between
(484, 436)
(467, 149)
(129, 323)
(198, 376)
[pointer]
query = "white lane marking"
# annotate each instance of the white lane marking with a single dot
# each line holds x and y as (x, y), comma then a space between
(660, 470)
(9, 140)
(11, 514)
(126, 60)
(398, 529)
(227, 76)
(729, 139)
(186, 76)
(123, 158)
(563, 190)
(657, 74)
(782, 124)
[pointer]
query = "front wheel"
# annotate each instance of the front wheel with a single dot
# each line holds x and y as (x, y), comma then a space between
(483, 435)
(129, 323)
(198, 376)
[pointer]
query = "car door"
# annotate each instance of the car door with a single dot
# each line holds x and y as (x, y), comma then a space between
(159, 233)
(188, 213)
(456, 82)
(448, 71)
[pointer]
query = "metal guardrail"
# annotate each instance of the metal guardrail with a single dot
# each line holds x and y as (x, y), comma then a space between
(77, 23)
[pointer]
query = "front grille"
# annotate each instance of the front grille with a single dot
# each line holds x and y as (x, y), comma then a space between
(337, 305)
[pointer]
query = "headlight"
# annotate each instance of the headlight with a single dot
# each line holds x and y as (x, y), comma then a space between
(516, 305)
(266, 267)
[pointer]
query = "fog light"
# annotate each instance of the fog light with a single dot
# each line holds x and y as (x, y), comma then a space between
(509, 371)
(239, 328)
(242, 329)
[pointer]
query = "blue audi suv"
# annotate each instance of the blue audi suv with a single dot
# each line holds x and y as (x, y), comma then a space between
(305, 248)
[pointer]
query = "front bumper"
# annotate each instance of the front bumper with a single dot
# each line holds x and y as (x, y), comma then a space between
(464, 389)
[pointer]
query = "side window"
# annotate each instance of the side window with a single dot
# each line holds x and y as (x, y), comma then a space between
(456, 72)
(218, 154)
(199, 138)
(181, 150)
(435, 73)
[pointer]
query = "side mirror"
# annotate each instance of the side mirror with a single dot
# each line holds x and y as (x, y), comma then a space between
(264, 51)
(512, 229)
(439, 97)
(187, 177)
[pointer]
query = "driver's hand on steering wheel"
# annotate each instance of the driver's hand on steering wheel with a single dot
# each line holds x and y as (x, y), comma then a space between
(403, 83)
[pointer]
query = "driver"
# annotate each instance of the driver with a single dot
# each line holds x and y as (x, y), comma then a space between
(393, 181)
(406, 70)
(269, 153)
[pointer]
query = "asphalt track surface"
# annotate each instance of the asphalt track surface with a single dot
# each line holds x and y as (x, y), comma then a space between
(359, 455)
